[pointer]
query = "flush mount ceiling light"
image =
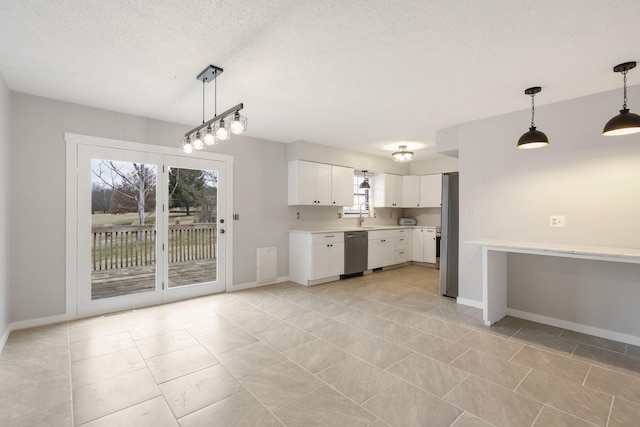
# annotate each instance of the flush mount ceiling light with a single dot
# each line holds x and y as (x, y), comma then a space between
(365, 181)
(402, 155)
(624, 123)
(218, 128)
(534, 138)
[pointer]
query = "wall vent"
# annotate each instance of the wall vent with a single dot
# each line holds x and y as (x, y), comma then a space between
(267, 268)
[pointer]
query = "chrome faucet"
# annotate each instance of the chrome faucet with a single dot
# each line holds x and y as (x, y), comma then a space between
(360, 218)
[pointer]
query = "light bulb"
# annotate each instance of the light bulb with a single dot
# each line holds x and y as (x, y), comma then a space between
(209, 138)
(197, 143)
(238, 124)
(222, 132)
(186, 145)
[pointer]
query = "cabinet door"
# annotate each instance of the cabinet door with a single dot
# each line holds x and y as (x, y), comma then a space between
(302, 183)
(410, 191)
(374, 259)
(431, 190)
(323, 184)
(320, 261)
(394, 191)
(430, 245)
(417, 253)
(386, 252)
(341, 186)
(335, 260)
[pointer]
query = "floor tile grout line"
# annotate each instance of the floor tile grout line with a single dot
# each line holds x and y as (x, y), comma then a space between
(533, 423)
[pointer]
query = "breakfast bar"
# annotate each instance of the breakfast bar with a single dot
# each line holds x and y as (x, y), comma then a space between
(494, 266)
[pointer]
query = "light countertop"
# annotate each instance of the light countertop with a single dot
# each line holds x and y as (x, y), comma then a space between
(562, 249)
(313, 229)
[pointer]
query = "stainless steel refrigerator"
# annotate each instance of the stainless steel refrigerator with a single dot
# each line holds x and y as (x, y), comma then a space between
(449, 236)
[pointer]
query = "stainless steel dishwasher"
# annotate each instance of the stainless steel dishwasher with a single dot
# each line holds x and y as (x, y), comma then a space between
(356, 244)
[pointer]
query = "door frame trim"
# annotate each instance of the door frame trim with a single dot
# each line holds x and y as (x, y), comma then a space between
(72, 142)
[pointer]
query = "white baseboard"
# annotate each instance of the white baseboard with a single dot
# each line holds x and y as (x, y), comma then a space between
(32, 323)
(469, 302)
(578, 327)
(250, 285)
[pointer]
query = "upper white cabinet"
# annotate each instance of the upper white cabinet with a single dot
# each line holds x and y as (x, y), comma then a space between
(387, 190)
(411, 191)
(431, 190)
(422, 191)
(341, 186)
(320, 184)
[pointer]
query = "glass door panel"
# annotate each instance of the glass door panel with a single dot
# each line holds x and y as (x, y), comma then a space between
(123, 228)
(118, 264)
(193, 213)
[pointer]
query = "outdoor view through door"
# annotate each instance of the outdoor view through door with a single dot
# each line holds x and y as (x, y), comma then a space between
(124, 234)
(123, 228)
(193, 213)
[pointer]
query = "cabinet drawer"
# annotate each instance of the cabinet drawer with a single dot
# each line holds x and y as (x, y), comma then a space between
(400, 243)
(327, 238)
(401, 256)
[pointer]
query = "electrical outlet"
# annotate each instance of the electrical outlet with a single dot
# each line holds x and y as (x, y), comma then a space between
(339, 215)
(297, 215)
(556, 221)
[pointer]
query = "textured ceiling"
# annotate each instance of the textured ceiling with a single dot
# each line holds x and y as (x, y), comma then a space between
(365, 75)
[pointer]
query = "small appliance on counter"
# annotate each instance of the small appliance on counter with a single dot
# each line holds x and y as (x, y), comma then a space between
(407, 221)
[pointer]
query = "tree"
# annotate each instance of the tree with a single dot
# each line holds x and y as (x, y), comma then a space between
(100, 198)
(133, 190)
(190, 188)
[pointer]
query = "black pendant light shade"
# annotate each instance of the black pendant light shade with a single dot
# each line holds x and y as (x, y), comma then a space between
(365, 182)
(534, 138)
(624, 123)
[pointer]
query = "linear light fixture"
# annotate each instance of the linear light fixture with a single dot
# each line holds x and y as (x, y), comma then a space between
(402, 155)
(624, 123)
(534, 138)
(218, 128)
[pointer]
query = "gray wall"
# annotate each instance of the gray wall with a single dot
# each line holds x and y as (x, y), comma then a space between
(593, 180)
(37, 199)
(5, 144)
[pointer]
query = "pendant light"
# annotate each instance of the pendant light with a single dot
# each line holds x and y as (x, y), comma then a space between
(218, 128)
(402, 155)
(365, 181)
(624, 123)
(534, 138)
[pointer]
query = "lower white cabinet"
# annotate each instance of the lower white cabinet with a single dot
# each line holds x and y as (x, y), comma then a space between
(424, 245)
(315, 257)
(388, 247)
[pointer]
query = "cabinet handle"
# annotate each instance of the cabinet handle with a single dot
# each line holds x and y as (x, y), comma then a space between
(329, 236)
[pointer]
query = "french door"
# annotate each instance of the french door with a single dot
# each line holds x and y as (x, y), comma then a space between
(151, 228)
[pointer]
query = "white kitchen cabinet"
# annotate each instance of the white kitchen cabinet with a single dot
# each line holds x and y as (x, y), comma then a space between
(411, 191)
(320, 184)
(424, 245)
(431, 190)
(387, 191)
(315, 258)
(388, 247)
(341, 186)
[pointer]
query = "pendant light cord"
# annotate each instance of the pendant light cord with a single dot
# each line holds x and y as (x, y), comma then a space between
(203, 82)
(533, 111)
(215, 95)
(624, 104)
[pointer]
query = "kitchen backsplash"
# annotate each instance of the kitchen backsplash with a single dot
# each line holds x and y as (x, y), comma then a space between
(327, 216)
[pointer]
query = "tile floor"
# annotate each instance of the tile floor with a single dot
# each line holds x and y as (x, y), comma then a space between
(380, 350)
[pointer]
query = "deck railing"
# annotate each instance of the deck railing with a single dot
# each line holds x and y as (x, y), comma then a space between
(133, 246)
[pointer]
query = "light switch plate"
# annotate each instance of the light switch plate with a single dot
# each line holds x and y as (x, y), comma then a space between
(556, 221)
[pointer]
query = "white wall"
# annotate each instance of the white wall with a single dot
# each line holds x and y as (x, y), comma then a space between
(593, 180)
(37, 200)
(5, 145)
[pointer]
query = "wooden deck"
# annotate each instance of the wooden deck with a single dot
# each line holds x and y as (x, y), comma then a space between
(124, 281)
